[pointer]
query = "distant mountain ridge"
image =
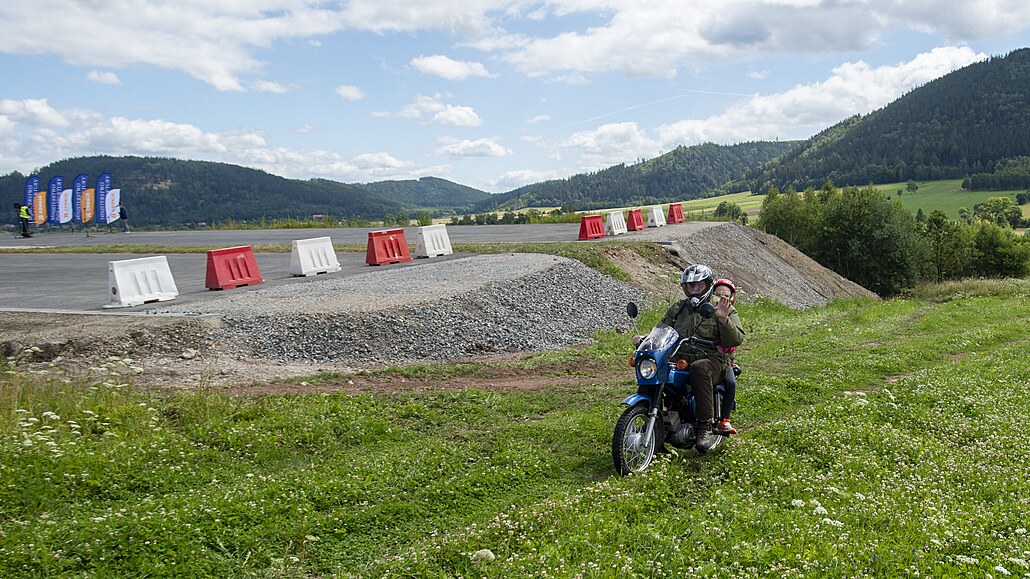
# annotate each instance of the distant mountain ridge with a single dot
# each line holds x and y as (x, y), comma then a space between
(962, 123)
(681, 174)
(966, 123)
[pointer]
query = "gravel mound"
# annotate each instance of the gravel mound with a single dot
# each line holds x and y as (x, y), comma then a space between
(448, 310)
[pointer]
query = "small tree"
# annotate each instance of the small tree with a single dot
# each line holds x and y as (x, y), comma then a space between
(911, 187)
(423, 218)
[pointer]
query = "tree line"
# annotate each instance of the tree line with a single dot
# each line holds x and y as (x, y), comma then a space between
(873, 240)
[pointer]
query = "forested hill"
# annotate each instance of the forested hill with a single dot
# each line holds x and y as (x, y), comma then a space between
(430, 193)
(161, 191)
(684, 173)
(960, 124)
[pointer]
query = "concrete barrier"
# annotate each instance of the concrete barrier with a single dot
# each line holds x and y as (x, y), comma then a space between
(133, 282)
(615, 223)
(433, 241)
(313, 256)
(655, 216)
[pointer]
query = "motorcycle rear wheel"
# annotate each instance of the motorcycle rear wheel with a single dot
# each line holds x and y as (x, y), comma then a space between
(630, 452)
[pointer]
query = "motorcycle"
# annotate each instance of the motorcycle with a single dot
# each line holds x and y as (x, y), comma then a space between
(663, 409)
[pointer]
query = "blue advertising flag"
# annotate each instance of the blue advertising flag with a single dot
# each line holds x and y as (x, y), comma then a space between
(78, 188)
(31, 190)
(103, 187)
(54, 200)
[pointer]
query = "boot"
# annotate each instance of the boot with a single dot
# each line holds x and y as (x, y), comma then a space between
(706, 439)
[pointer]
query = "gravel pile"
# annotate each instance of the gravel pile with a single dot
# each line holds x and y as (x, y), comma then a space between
(437, 311)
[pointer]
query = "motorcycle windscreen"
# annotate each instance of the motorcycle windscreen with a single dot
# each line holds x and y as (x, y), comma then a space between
(660, 338)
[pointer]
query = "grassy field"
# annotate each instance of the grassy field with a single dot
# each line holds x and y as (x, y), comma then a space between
(946, 196)
(878, 439)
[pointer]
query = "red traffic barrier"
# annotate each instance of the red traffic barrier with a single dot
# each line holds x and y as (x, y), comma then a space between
(591, 227)
(635, 220)
(232, 267)
(675, 213)
(387, 246)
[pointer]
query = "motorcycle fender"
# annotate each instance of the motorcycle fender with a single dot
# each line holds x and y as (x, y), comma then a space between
(634, 399)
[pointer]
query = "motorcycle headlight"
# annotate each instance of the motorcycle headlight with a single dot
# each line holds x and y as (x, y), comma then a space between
(648, 368)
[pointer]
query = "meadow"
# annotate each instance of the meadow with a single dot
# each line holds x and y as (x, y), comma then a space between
(877, 439)
(946, 196)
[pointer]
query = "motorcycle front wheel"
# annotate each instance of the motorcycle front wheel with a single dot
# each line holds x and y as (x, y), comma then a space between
(630, 451)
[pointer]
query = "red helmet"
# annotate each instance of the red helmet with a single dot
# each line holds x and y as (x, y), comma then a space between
(729, 284)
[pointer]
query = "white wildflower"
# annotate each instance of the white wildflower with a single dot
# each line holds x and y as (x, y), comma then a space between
(798, 503)
(833, 523)
(819, 511)
(1002, 570)
(484, 555)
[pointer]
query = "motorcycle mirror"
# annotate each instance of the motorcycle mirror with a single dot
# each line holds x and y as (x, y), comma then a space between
(706, 310)
(631, 310)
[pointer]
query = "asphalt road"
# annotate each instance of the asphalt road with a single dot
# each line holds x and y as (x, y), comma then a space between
(339, 235)
(79, 282)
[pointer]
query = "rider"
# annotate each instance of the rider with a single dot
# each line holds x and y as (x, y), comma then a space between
(724, 328)
(724, 288)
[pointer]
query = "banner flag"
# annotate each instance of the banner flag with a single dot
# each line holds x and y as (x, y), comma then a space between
(103, 187)
(54, 200)
(114, 198)
(78, 189)
(65, 206)
(89, 207)
(31, 190)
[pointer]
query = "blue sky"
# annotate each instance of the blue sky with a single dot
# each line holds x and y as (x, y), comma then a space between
(493, 94)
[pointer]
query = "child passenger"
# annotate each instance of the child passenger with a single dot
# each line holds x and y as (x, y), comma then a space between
(724, 288)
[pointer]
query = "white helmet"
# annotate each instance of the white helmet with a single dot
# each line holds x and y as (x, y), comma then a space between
(696, 273)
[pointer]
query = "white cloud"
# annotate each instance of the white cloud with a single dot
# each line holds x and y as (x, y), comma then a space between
(515, 179)
(270, 86)
(103, 77)
(449, 68)
(437, 111)
(477, 148)
(854, 88)
(35, 134)
(539, 119)
(303, 129)
(610, 144)
(350, 92)
(216, 42)
(458, 116)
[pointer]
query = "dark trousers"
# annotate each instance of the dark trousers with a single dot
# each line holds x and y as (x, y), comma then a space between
(25, 228)
(729, 398)
(704, 374)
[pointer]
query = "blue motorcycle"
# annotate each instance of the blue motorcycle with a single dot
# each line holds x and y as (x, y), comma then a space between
(663, 409)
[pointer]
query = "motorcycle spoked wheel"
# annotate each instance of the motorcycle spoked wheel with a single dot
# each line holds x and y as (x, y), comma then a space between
(630, 452)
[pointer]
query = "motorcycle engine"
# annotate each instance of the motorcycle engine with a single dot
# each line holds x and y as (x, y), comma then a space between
(681, 434)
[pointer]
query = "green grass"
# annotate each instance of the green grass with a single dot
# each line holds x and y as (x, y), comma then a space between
(946, 196)
(877, 439)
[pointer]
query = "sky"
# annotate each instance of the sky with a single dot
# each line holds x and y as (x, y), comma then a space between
(493, 94)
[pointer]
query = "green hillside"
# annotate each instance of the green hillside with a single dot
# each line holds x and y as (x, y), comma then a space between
(685, 173)
(946, 196)
(960, 124)
(430, 193)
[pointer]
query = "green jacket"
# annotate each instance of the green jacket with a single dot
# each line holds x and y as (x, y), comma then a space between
(729, 335)
(23, 213)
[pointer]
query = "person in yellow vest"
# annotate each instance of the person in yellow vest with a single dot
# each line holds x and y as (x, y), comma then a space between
(24, 217)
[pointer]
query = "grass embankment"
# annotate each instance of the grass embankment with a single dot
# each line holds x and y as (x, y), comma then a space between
(946, 196)
(877, 439)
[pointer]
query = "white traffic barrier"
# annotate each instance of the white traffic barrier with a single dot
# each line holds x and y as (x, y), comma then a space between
(313, 256)
(137, 281)
(615, 223)
(655, 217)
(433, 241)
